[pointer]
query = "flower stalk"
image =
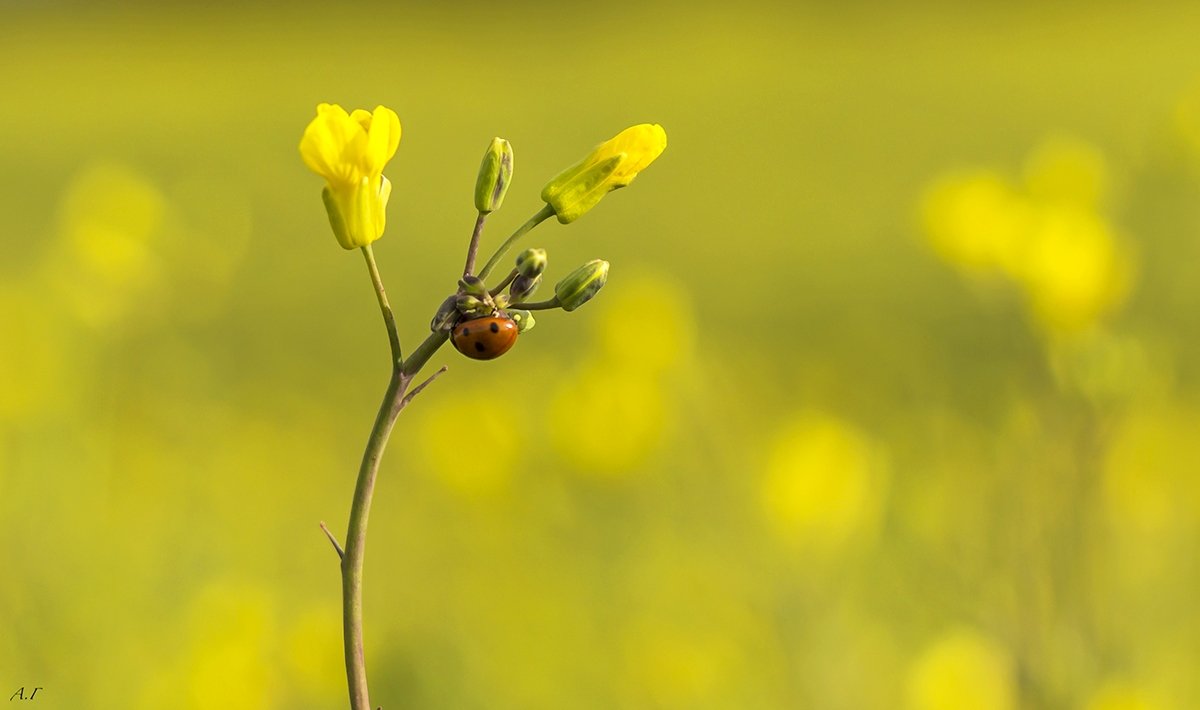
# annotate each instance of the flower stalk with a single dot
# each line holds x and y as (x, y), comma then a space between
(349, 150)
(542, 215)
(395, 399)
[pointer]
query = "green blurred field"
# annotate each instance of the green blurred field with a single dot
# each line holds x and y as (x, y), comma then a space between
(890, 402)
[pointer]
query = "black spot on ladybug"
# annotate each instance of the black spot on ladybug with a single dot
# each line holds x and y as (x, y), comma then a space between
(479, 347)
(494, 327)
(466, 331)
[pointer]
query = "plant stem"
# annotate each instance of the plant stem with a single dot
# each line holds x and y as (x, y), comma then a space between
(532, 222)
(389, 320)
(356, 540)
(395, 399)
(503, 284)
(473, 247)
(538, 305)
(424, 351)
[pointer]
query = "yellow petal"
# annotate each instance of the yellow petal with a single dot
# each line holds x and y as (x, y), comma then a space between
(362, 117)
(641, 144)
(332, 143)
(383, 137)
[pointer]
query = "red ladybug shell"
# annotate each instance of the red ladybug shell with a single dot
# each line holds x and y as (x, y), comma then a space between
(484, 338)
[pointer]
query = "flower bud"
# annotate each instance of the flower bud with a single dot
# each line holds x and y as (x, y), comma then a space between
(524, 286)
(611, 165)
(531, 262)
(581, 284)
(446, 315)
(579, 189)
(495, 174)
(523, 319)
(472, 307)
(473, 286)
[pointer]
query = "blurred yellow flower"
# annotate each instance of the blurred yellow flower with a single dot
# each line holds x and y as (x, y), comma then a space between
(1151, 492)
(1049, 238)
(963, 670)
(672, 668)
(976, 221)
(646, 322)
(823, 483)
(606, 419)
(613, 164)
(108, 262)
(1075, 272)
(229, 653)
(1119, 696)
(349, 151)
(313, 651)
(448, 422)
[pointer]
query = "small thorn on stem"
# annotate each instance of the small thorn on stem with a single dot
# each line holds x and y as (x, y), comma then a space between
(332, 539)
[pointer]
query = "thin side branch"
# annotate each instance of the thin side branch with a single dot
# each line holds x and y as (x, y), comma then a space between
(512, 275)
(417, 390)
(333, 540)
(544, 214)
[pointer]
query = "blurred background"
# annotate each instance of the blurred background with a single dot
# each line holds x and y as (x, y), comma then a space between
(891, 400)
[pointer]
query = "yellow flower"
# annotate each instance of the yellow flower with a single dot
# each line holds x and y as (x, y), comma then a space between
(963, 670)
(349, 151)
(613, 164)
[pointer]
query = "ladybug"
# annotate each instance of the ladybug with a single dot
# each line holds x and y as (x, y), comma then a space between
(484, 338)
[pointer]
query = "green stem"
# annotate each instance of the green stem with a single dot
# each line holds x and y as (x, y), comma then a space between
(356, 540)
(424, 351)
(473, 248)
(389, 320)
(503, 284)
(539, 305)
(545, 213)
(395, 399)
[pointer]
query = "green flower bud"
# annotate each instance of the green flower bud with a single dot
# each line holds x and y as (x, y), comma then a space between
(524, 286)
(581, 284)
(580, 188)
(523, 319)
(473, 307)
(495, 174)
(531, 262)
(473, 286)
(446, 315)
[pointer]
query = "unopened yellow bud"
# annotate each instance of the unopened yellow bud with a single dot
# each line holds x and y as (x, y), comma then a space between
(613, 164)
(582, 284)
(495, 174)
